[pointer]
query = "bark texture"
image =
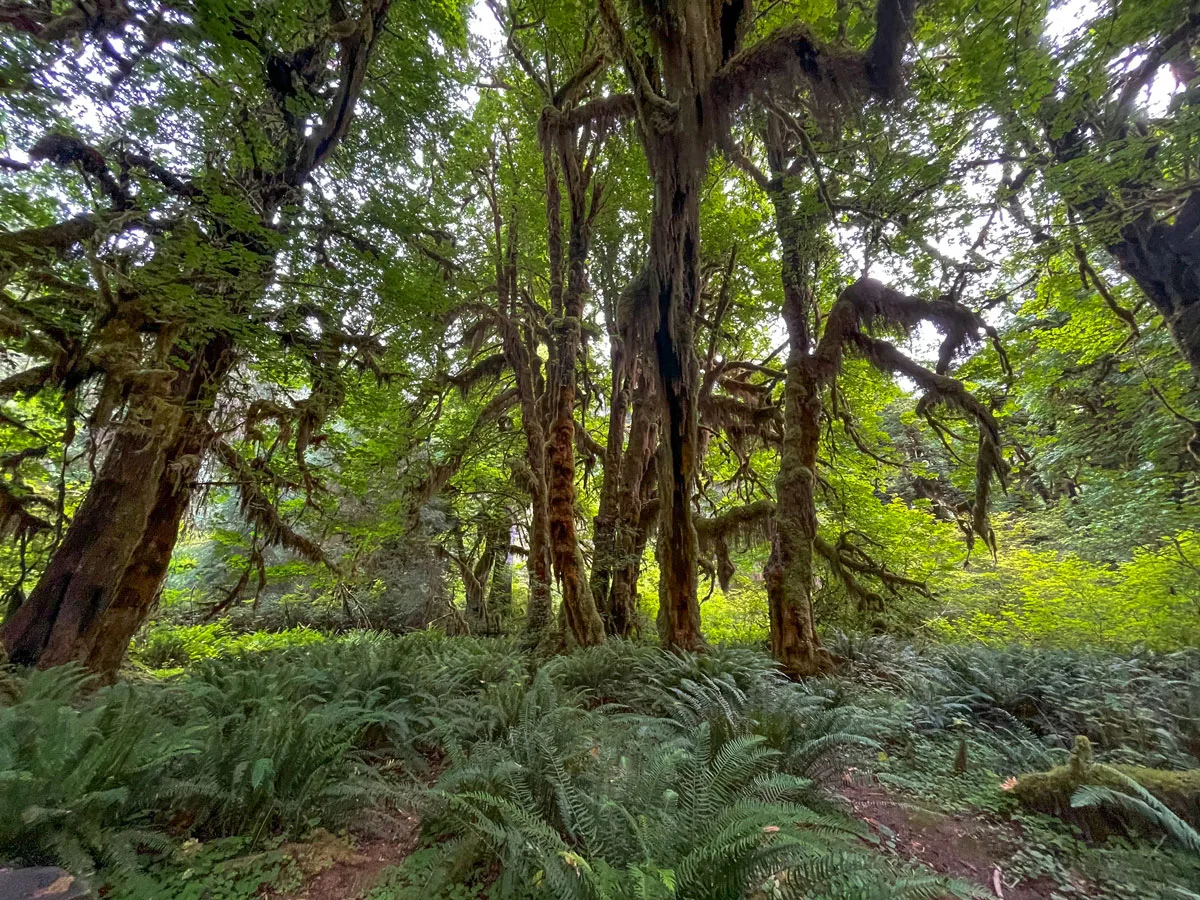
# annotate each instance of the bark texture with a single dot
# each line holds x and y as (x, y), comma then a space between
(563, 154)
(1159, 249)
(789, 573)
(1163, 257)
(58, 621)
(638, 485)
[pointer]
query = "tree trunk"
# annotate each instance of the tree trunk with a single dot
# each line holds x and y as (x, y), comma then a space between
(1164, 259)
(629, 538)
(789, 571)
(579, 608)
(60, 618)
(115, 551)
(674, 288)
(143, 580)
(475, 610)
(540, 609)
(1161, 256)
(604, 525)
(500, 593)
(115, 554)
(482, 611)
(626, 618)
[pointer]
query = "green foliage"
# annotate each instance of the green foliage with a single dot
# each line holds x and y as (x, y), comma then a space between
(424, 875)
(231, 868)
(1138, 796)
(75, 780)
(254, 744)
(693, 786)
(1057, 599)
(1138, 708)
(274, 760)
(617, 771)
(1134, 797)
(926, 707)
(173, 646)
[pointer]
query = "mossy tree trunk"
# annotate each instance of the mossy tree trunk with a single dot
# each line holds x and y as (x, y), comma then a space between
(58, 622)
(790, 571)
(604, 523)
(142, 582)
(500, 592)
(105, 574)
(638, 485)
(562, 153)
(674, 289)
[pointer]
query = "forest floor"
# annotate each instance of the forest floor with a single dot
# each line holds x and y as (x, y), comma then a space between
(348, 869)
(970, 847)
(371, 767)
(974, 846)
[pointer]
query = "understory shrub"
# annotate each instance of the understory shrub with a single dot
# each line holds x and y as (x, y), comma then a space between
(175, 646)
(614, 771)
(255, 744)
(76, 780)
(686, 788)
(1137, 708)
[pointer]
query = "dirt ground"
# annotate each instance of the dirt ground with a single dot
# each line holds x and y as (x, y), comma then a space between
(961, 845)
(335, 870)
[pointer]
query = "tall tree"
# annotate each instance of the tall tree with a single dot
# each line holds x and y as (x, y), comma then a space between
(168, 306)
(683, 99)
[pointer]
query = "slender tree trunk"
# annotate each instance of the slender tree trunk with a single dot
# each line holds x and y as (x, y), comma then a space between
(794, 640)
(789, 572)
(579, 607)
(629, 539)
(482, 612)
(540, 609)
(626, 616)
(604, 525)
(500, 593)
(476, 610)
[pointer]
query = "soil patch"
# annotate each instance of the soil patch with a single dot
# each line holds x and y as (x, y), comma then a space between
(336, 869)
(956, 844)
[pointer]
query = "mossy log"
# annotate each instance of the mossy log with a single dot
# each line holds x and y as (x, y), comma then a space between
(1050, 792)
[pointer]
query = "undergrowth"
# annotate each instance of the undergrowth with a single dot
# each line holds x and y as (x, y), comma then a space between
(618, 771)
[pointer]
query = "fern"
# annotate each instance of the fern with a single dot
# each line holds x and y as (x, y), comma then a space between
(75, 781)
(1138, 800)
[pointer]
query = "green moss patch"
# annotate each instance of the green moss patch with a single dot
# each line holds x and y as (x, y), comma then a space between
(1050, 792)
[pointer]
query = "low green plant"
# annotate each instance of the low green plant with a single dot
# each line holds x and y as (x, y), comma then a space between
(424, 876)
(616, 771)
(224, 869)
(673, 793)
(165, 646)
(78, 777)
